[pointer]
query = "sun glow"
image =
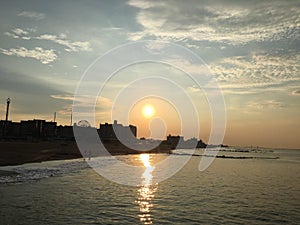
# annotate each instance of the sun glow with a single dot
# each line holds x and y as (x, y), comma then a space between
(148, 111)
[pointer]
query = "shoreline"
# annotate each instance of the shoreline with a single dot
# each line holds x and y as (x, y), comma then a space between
(4, 173)
(22, 152)
(14, 153)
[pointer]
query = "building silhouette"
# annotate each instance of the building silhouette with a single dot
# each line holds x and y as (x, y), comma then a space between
(27, 129)
(42, 129)
(111, 134)
(115, 131)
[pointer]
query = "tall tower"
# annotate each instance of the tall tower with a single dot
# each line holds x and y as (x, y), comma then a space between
(7, 109)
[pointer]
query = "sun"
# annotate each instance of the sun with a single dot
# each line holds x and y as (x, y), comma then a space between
(148, 111)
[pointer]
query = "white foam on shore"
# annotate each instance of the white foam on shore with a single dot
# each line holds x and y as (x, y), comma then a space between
(37, 171)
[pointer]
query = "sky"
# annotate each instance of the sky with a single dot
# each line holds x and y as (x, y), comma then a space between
(251, 48)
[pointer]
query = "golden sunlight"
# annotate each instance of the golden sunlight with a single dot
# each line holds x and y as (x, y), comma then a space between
(145, 159)
(148, 111)
(146, 190)
(147, 175)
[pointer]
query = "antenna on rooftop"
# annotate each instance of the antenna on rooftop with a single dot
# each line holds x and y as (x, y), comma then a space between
(54, 117)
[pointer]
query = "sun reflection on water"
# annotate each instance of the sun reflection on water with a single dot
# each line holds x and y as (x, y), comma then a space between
(146, 190)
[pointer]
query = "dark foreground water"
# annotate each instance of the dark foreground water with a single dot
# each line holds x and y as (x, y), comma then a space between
(260, 190)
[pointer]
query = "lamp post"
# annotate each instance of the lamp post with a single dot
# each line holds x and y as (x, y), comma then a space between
(7, 109)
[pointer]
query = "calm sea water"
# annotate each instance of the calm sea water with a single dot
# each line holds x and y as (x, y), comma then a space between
(260, 190)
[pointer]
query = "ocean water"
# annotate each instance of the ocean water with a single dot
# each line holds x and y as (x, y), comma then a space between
(259, 186)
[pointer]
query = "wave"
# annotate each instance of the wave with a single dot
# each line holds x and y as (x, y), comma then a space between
(38, 171)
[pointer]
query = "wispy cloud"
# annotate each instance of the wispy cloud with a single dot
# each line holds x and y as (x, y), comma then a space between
(272, 104)
(72, 46)
(32, 15)
(85, 100)
(237, 23)
(11, 35)
(296, 92)
(112, 29)
(18, 33)
(84, 103)
(193, 89)
(63, 97)
(45, 56)
(257, 70)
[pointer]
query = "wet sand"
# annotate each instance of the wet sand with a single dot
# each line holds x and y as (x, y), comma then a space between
(20, 152)
(7, 173)
(17, 153)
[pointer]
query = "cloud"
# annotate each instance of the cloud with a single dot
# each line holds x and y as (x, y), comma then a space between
(32, 15)
(257, 70)
(272, 104)
(271, 26)
(85, 103)
(24, 84)
(224, 22)
(145, 4)
(45, 56)
(72, 46)
(85, 100)
(112, 29)
(296, 92)
(11, 35)
(63, 97)
(193, 89)
(18, 33)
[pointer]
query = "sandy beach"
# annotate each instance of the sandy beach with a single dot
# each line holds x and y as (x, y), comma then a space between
(20, 152)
